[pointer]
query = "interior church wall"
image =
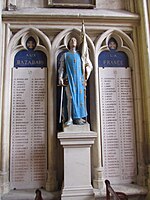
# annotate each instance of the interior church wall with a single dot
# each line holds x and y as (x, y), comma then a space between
(51, 26)
(32, 4)
(50, 33)
(111, 4)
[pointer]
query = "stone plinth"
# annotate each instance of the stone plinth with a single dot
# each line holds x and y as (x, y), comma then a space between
(77, 164)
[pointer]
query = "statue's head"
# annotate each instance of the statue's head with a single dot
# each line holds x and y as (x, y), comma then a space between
(72, 43)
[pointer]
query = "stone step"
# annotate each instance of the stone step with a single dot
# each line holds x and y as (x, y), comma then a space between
(29, 194)
(134, 192)
(134, 197)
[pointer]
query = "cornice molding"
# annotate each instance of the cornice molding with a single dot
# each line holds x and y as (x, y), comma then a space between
(48, 14)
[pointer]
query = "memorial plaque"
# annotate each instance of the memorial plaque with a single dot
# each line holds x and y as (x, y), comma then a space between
(117, 124)
(28, 160)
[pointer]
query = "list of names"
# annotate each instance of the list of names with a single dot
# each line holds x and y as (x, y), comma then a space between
(28, 160)
(117, 124)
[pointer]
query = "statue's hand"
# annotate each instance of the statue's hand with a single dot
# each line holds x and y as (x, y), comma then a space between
(61, 81)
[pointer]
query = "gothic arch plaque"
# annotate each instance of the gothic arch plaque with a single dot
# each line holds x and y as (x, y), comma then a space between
(117, 115)
(28, 157)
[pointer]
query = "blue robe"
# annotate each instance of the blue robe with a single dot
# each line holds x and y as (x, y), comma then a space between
(76, 83)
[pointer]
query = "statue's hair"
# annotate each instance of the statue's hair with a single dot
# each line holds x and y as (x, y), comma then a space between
(70, 40)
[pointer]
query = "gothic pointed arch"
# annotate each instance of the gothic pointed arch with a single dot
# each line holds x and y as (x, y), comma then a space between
(17, 43)
(60, 42)
(124, 49)
(123, 40)
(60, 45)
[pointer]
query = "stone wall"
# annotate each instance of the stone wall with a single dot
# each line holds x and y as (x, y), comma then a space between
(103, 4)
(32, 3)
(111, 4)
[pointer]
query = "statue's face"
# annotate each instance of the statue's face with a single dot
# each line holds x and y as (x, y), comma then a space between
(73, 42)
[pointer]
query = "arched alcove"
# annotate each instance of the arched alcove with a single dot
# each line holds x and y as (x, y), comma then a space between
(119, 109)
(59, 46)
(28, 135)
(20, 50)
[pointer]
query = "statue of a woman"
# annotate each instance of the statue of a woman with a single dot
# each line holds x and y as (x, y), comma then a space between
(72, 76)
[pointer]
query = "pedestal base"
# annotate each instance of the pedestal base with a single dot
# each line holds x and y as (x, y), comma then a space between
(77, 165)
(77, 194)
(4, 182)
(98, 181)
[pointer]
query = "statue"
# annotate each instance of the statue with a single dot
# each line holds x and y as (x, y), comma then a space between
(74, 72)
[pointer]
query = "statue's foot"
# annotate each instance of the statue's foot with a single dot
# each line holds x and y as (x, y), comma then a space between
(83, 120)
(69, 122)
(78, 121)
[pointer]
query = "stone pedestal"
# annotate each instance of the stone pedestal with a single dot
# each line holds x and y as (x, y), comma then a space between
(77, 164)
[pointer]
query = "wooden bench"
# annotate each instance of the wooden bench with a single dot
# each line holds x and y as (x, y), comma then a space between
(111, 194)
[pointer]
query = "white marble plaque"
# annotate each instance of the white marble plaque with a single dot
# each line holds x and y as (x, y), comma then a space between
(28, 162)
(117, 124)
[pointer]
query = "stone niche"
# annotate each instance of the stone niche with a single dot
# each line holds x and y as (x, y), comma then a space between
(28, 157)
